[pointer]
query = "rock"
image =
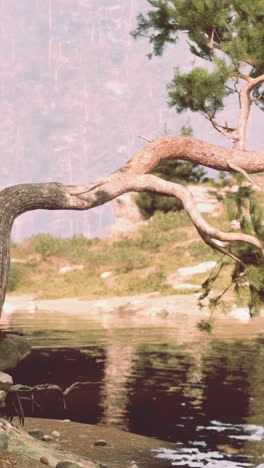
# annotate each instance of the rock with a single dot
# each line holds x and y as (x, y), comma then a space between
(2, 398)
(235, 225)
(66, 269)
(13, 349)
(100, 443)
(4, 434)
(55, 434)
(128, 216)
(105, 274)
(36, 433)
(175, 282)
(67, 464)
(3, 440)
(205, 201)
(44, 460)
(47, 438)
(6, 382)
(201, 268)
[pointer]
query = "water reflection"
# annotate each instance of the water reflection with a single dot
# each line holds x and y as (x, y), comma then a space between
(165, 380)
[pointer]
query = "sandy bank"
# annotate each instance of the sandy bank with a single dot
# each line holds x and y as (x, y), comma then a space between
(121, 450)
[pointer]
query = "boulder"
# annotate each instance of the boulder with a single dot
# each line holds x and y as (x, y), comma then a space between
(36, 433)
(2, 399)
(13, 349)
(6, 382)
(128, 217)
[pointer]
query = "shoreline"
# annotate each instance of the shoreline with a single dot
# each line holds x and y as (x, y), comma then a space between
(145, 310)
(85, 444)
(136, 303)
(121, 449)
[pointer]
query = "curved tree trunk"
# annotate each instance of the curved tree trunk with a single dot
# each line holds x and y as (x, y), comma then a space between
(133, 176)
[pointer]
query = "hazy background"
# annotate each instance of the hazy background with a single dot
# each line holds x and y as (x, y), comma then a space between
(75, 92)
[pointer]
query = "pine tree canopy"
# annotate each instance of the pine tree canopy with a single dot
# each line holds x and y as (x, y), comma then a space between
(227, 34)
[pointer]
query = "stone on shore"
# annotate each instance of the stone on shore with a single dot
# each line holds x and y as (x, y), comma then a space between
(36, 433)
(6, 382)
(2, 399)
(100, 443)
(67, 464)
(13, 349)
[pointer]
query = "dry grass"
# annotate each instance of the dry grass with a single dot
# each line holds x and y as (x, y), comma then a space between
(137, 265)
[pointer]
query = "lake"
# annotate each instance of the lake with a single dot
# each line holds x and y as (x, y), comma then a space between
(163, 379)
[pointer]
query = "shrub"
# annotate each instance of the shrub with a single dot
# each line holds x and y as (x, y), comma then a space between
(46, 245)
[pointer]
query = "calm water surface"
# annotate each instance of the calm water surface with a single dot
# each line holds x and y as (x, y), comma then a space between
(164, 380)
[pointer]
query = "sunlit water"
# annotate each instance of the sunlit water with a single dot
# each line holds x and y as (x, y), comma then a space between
(164, 380)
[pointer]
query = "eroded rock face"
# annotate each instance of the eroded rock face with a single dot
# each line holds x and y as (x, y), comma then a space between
(13, 349)
(127, 214)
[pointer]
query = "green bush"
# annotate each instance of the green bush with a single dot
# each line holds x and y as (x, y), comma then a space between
(162, 229)
(148, 203)
(15, 276)
(173, 171)
(121, 255)
(77, 248)
(46, 245)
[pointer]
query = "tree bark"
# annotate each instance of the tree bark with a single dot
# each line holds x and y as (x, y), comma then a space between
(133, 176)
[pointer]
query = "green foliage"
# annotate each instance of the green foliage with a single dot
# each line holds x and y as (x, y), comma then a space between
(199, 90)
(148, 203)
(137, 265)
(46, 245)
(247, 275)
(76, 247)
(173, 171)
(161, 230)
(120, 255)
(206, 325)
(233, 29)
(15, 275)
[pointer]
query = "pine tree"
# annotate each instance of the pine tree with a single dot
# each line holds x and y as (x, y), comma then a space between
(228, 35)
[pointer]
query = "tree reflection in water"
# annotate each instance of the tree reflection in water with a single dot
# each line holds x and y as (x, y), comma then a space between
(205, 393)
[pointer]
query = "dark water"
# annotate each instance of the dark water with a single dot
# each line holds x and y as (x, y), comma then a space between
(168, 381)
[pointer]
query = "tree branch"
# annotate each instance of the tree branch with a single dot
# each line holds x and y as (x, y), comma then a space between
(133, 176)
(245, 103)
(245, 174)
(215, 246)
(226, 131)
